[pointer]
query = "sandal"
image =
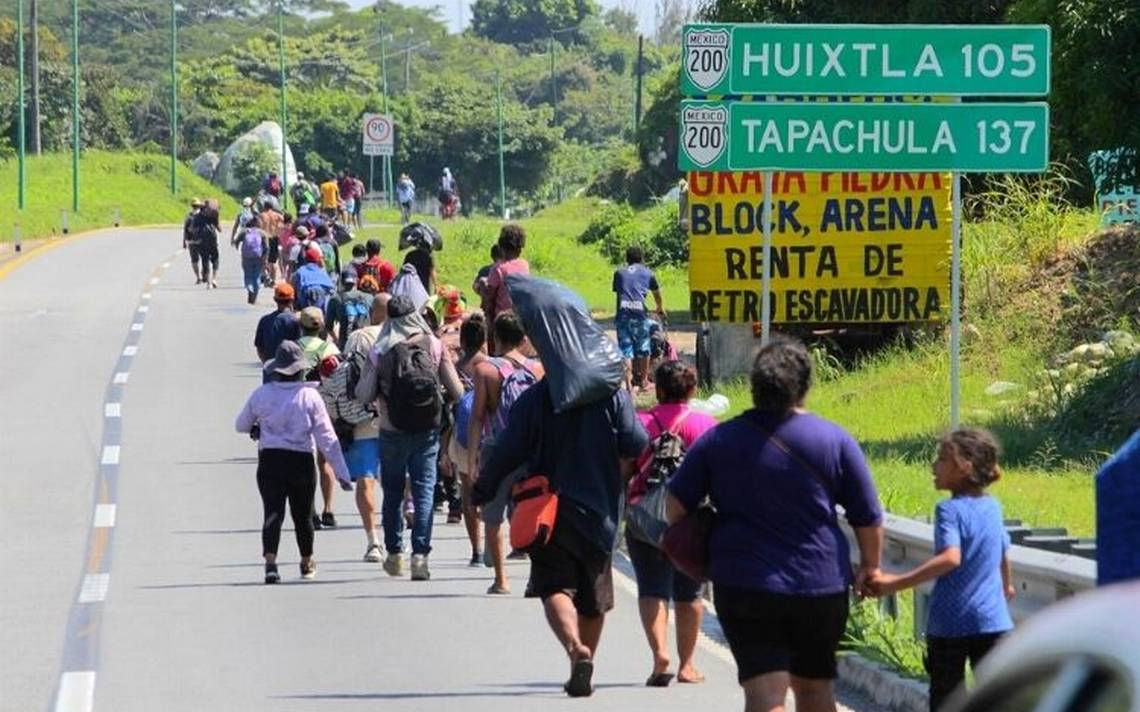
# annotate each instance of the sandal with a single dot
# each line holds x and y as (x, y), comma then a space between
(581, 676)
(659, 679)
(497, 590)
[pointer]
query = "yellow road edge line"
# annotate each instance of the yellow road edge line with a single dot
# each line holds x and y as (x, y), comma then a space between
(52, 243)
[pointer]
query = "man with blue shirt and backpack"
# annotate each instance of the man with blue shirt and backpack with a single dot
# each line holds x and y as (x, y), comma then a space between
(254, 250)
(498, 384)
(311, 283)
(632, 284)
(349, 310)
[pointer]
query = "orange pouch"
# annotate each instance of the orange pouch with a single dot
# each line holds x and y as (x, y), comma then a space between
(536, 509)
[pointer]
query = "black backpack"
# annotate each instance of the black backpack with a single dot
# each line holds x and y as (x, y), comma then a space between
(411, 381)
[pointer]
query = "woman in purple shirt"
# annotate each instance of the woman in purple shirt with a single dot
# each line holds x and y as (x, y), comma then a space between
(779, 562)
(286, 416)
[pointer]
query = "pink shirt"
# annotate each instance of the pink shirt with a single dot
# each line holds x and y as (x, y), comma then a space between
(291, 416)
(497, 282)
(693, 427)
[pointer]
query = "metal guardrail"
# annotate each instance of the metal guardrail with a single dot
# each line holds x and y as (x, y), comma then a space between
(1041, 577)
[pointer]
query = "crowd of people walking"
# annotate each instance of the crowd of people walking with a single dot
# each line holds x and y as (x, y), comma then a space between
(391, 385)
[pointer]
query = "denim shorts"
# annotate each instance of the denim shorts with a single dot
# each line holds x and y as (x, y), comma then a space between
(656, 575)
(633, 335)
(363, 458)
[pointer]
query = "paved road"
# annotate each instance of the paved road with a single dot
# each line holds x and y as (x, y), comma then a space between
(157, 603)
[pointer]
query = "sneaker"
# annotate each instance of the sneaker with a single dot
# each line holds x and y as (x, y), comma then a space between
(394, 564)
(420, 568)
(328, 520)
(309, 571)
(316, 522)
(516, 555)
(476, 560)
(213, 284)
(454, 517)
(271, 575)
(372, 555)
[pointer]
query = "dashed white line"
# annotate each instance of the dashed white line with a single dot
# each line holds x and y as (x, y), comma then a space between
(144, 309)
(130, 350)
(153, 281)
(76, 692)
(165, 265)
(94, 588)
(137, 326)
(104, 516)
(113, 410)
(110, 455)
(145, 296)
(121, 377)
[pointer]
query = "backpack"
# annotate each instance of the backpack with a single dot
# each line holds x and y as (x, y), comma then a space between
(412, 387)
(357, 315)
(369, 284)
(311, 293)
(667, 450)
(328, 253)
(251, 244)
(204, 231)
(337, 391)
(515, 382)
(463, 410)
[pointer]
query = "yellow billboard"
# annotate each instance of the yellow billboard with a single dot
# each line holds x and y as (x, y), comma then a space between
(847, 247)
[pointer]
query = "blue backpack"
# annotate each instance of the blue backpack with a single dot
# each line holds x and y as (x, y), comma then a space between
(463, 411)
(312, 290)
(357, 314)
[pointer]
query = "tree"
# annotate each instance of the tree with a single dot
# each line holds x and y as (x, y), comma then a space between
(670, 15)
(621, 20)
(524, 21)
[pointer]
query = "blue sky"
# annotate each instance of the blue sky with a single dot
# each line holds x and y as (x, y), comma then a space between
(451, 9)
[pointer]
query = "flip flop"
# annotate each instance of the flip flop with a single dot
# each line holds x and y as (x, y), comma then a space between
(581, 675)
(659, 679)
(691, 681)
(497, 590)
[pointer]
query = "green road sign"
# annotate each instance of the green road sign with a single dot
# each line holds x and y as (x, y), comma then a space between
(947, 60)
(747, 136)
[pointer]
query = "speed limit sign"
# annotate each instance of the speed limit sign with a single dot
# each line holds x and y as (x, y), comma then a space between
(379, 135)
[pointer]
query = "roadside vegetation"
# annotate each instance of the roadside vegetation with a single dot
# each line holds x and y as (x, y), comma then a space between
(132, 187)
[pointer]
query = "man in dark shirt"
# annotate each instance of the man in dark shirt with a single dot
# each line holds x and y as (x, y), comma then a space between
(632, 284)
(587, 453)
(278, 326)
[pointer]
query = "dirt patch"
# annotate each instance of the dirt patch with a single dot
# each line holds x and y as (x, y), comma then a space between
(1105, 284)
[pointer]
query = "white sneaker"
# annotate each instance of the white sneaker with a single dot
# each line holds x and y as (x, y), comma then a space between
(394, 565)
(420, 568)
(372, 555)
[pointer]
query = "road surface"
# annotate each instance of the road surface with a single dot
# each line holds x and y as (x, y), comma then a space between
(131, 551)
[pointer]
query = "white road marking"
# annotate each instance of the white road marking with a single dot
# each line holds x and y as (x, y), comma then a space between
(145, 296)
(154, 280)
(76, 692)
(130, 350)
(104, 516)
(165, 265)
(110, 455)
(136, 327)
(94, 588)
(121, 377)
(113, 410)
(144, 309)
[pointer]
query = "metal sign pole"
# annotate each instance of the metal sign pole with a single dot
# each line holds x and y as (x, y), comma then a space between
(956, 300)
(766, 283)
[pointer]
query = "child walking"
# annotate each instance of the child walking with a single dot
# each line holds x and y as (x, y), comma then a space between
(286, 416)
(969, 608)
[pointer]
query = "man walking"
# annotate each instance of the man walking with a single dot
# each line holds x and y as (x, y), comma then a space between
(190, 238)
(406, 370)
(587, 452)
(632, 284)
(277, 326)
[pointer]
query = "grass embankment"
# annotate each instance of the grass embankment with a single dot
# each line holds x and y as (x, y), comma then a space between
(552, 249)
(135, 185)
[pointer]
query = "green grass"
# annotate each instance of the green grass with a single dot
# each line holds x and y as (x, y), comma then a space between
(552, 249)
(135, 185)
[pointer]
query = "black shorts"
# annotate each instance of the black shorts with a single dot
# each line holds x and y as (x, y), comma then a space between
(571, 565)
(274, 249)
(656, 575)
(192, 247)
(771, 632)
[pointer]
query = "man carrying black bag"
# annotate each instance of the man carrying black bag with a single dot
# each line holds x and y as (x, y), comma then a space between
(579, 429)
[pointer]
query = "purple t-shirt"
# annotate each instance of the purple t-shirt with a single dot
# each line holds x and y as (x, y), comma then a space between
(776, 527)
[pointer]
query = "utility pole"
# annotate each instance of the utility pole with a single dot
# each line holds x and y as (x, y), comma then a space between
(284, 103)
(385, 163)
(408, 62)
(637, 105)
(553, 84)
(75, 106)
(502, 170)
(21, 189)
(173, 97)
(34, 16)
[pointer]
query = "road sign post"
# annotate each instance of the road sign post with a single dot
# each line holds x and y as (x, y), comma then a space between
(848, 130)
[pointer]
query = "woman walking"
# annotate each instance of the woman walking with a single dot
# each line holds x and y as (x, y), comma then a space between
(779, 562)
(658, 582)
(473, 342)
(286, 416)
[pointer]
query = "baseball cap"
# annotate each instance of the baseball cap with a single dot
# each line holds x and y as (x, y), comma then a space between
(313, 254)
(283, 292)
(312, 318)
(196, 203)
(348, 275)
(246, 202)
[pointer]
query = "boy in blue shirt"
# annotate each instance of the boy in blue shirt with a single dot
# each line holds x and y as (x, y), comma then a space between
(632, 284)
(969, 608)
